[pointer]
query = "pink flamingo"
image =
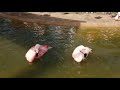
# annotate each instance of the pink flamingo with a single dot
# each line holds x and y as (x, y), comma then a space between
(36, 52)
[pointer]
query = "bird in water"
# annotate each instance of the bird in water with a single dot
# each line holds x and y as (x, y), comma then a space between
(80, 53)
(36, 52)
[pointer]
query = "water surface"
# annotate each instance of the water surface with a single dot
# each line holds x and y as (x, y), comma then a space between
(17, 37)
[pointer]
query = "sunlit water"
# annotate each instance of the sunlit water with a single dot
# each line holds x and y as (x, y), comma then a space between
(17, 37)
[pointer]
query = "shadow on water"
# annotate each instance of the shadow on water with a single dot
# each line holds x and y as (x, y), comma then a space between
(27, 34)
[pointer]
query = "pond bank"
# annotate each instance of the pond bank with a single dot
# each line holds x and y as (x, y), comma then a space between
(67, 19)
(90, 19)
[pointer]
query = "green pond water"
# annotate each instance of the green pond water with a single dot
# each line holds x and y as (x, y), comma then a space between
(17, 37)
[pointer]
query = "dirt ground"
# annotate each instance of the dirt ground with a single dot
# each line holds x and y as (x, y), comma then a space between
(82, 19)
(89, 19)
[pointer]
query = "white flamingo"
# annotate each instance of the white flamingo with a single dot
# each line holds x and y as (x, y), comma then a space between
(80, 53)
(117, 16)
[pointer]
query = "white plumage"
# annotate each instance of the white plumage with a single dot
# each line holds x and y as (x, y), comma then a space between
(117, 16)
(80, 53)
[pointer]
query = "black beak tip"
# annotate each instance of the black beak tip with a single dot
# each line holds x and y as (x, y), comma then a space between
(85, 55)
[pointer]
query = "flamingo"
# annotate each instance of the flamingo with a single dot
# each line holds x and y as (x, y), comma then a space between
(117, 16)
(36, 52)
(80, 53)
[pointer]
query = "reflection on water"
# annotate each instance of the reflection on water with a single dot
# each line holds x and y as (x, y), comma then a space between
(17, 37)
